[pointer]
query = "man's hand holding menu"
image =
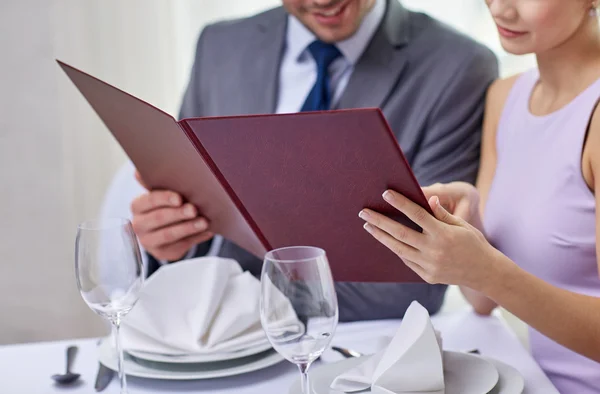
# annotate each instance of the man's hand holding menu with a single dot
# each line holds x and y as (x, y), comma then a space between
(166, 226)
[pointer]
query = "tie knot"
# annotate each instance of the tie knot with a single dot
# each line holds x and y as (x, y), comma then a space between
(323, 53)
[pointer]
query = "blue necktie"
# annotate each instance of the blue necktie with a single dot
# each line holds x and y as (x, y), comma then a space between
(319, 98)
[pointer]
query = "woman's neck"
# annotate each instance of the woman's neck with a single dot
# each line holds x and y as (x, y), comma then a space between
(574, 64)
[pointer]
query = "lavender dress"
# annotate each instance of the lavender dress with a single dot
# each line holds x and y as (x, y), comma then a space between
(541, 213)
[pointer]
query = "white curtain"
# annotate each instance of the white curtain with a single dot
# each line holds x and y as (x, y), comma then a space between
(56, 158)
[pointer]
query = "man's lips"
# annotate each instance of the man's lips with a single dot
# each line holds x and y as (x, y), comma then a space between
(331, 15)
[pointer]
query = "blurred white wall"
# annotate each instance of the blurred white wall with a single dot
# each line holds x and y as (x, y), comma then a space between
(56, 158)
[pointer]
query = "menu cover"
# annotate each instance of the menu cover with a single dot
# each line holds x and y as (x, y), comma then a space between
(270, 181)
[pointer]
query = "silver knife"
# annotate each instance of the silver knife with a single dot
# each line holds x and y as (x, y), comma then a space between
(348, 353)
(104, 377)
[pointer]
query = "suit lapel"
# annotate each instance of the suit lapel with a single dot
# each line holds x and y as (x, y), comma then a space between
(377, 71)
(261, 60)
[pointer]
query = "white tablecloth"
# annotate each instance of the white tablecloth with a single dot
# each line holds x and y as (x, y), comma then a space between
(27, 368)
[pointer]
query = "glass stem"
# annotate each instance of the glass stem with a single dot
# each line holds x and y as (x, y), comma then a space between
(116, 325)
(305, 382)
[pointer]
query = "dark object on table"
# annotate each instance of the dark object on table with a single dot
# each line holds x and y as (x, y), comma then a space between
(68, 377)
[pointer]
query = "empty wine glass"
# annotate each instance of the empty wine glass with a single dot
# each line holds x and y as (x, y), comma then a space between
(110, 273)
(298, 305)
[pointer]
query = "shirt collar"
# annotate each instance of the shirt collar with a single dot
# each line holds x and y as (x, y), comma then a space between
(299, 37)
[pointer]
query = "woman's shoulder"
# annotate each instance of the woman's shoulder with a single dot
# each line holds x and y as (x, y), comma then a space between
(497, 96)
(500, 89)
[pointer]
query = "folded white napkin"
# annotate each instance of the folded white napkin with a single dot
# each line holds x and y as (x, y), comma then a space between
(411, 363)
(201, 305)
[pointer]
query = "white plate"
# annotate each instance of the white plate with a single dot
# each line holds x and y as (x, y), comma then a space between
(463, 374)
(202, 358)
(171, 371)
(510, 382)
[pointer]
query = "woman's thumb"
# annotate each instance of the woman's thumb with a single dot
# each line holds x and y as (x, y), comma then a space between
(440, 212)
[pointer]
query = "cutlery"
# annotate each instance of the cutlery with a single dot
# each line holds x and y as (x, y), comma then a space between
(103, 377)
(348, 353)
(68, 377)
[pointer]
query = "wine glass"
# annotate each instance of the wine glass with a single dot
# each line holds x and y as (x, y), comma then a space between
(298, 305)
(110, 273)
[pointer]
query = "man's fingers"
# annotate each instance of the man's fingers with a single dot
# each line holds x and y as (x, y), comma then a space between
(155, 199)
(172, 234)
(178, 250)
(162, 217)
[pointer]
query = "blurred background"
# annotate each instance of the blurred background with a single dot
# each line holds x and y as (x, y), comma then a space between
(57, 158)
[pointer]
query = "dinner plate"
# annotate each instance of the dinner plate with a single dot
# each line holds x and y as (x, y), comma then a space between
(510, 381)
(186, 371)
(463, 374)
(255, 348)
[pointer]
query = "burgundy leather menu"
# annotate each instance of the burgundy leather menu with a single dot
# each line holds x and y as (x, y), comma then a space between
(164, 156)
(269, 181)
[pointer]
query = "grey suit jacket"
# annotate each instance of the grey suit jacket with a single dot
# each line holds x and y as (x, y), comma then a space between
(429, 80)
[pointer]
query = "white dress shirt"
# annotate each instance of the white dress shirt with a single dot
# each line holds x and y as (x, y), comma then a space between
(298, 70)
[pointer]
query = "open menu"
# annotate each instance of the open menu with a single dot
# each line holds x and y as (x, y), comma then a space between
(270, 181)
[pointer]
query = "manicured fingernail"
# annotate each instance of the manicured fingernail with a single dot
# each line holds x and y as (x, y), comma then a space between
(387, 195)
(368, 227)
(200, 224)
(174, 200)
(189, 211)
(437, 202)
(363, 215)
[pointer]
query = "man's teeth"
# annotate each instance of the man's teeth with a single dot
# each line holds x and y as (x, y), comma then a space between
(332, 12)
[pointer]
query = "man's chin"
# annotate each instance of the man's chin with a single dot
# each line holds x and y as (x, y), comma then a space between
(332, 35)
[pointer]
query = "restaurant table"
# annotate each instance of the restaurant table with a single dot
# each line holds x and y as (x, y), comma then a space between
(27, 368)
